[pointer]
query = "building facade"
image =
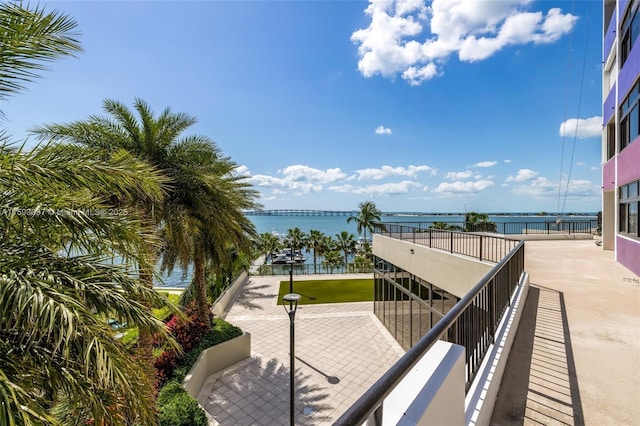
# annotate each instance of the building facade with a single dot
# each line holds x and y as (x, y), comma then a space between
(621, 131)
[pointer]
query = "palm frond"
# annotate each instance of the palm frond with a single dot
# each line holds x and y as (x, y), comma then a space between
(30, 38)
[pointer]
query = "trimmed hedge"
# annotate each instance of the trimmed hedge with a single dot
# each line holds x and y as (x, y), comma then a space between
(178, 408)
(221, 331)
(175, 406)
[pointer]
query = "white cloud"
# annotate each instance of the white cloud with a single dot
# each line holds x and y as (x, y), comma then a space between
(381, 130)
(413, 39)
(459, 175)
(276, 182)
(580, 163)
(463, 187)
(485, 164)
(507, 161)
(303, 179)
(522, 175)
(582, 128)
(306, 173)
(242, 170)
(542, 187)
(392, 188)
(386, 171)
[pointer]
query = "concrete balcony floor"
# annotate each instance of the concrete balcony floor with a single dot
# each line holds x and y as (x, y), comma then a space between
(574, 360)
(575, 357)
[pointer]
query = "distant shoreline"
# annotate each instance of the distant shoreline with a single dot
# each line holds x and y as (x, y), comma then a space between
(310, 212)
(540, 214)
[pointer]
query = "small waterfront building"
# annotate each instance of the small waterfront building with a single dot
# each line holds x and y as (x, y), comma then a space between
(621, 131)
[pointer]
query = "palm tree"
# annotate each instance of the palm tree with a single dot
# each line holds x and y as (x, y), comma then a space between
(268, 244)
(56, 290)
(296, 240)
(315, 242)
(58, 285)
(366, 217)
(327, 245)
(202, 214)
(204, 219)
(346, 242)
(478, 222)
(331, 260)
(362, 264)
(31, 37)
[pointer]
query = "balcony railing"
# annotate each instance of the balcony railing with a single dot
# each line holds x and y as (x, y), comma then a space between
(511, 228)
(311, 268)
(482, 247)
(472, 323)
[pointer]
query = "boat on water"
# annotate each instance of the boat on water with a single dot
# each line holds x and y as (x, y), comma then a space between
(285, 256)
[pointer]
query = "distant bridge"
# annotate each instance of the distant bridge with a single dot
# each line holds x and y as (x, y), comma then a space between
(298, 212)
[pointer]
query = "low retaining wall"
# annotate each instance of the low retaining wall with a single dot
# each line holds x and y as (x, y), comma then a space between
(216, 359)
(221, 304)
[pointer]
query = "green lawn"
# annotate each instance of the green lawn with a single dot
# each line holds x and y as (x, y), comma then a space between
(329, 291)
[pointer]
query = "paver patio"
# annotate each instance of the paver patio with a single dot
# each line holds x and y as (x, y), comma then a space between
(341, 350)
(572, 361)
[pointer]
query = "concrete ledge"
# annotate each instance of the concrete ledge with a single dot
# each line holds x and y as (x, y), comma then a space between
(542, 237)
(483, 392)
(432, 393)
(221, 304)
(215, 359)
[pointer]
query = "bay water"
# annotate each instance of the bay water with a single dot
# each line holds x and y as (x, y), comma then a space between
(332, 225)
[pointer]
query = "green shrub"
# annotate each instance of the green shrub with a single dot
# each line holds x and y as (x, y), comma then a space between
(221, 331)
(178, 408)
(170, 390)
(130, 337)
(175, 406)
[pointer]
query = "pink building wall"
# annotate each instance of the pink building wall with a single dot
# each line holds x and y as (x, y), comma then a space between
(629, 163)
(628, 254)
(608, 175)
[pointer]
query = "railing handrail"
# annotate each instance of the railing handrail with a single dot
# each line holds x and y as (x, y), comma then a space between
(375, 395)
(407, 232)
(550, 226)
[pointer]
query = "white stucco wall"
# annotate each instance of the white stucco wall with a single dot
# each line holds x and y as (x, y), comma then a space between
(432, 393)
(453, 273)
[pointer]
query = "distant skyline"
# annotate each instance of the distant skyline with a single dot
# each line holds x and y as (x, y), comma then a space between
(427, 106)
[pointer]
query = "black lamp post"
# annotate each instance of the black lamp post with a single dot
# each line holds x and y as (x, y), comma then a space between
(291, 262)
(292, 299)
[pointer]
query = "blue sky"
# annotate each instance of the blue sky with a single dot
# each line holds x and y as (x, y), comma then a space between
(434, 106)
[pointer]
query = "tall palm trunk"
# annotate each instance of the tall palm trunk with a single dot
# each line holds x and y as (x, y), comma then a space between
(201, 290)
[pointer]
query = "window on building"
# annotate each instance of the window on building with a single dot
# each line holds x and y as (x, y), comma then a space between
(630, 117)
(629, 207)
(410, 310)
(630, 30)
(611, 140)
(610, 73)
(633, 219)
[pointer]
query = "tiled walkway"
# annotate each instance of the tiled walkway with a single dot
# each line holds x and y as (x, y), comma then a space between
(341, 350)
